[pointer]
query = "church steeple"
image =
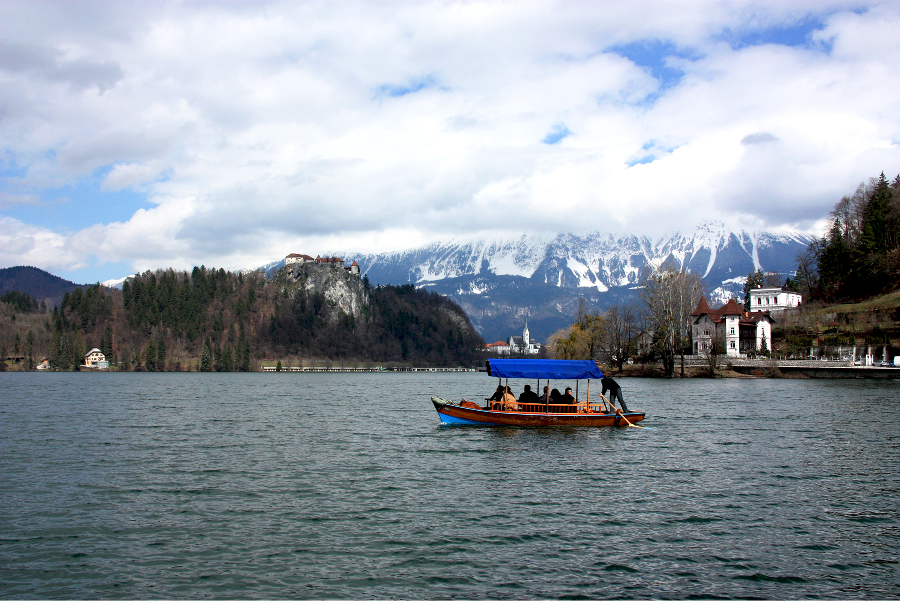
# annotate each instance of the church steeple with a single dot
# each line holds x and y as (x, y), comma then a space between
(526, 339)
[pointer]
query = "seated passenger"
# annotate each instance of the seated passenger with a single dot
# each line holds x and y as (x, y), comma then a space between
(509, 401)
(495, 398)
(555, 399)
(568, 399)
(528, 397)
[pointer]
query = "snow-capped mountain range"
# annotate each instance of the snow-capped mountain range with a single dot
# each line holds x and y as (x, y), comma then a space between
(500, 281)
(596, 260)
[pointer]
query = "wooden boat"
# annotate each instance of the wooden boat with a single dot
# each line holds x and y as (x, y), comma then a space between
(583, 412)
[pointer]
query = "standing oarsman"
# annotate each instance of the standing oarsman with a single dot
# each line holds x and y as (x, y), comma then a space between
(615, 391)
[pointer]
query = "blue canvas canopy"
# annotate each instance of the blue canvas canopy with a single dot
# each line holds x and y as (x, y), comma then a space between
(546, 369)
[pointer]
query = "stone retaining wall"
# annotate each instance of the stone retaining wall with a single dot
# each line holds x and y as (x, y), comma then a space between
(725, 361)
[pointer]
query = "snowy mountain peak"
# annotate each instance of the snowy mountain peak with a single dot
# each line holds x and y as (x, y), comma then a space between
(595, 260)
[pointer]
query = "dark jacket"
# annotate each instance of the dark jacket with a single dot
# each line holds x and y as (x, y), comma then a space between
(529, 396)
(609, 384)
(497, 396)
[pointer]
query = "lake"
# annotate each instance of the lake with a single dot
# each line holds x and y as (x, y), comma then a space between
(187, 485)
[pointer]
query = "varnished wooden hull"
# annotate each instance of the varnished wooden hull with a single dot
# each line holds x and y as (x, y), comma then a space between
(455, 414)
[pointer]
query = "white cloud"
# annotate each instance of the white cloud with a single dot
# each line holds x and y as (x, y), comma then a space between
(25, 244)
(259, 129)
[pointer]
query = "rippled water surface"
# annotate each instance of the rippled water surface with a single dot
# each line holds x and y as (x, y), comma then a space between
(345, 486)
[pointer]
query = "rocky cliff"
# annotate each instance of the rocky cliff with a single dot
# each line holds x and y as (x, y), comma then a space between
(342, 290)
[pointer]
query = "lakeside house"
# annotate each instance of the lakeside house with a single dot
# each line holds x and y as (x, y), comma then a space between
(498, 348)
(96, 359)
(730, 325)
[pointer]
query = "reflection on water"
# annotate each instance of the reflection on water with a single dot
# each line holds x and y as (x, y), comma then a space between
(345, 485)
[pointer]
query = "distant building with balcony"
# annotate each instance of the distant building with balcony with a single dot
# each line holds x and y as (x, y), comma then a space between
(774, 299)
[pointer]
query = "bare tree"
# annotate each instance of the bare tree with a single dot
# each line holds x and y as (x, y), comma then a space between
(670, 295)
(773, 279)
(807, 278)
(619, 334)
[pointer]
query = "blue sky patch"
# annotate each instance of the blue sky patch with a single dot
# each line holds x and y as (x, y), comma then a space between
(557, 133)
(798, 34)
(79, 205)
(412, 86)
(642, 161)
(652, 55)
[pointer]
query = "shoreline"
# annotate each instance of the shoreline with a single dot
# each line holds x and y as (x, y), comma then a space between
(764, 369)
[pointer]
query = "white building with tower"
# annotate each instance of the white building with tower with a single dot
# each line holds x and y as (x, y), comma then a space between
(524, 344)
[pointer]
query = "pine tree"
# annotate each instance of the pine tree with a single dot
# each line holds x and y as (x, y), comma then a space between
(206, 357)
(29, 349)
(875, 219)
(63, 356)
(106, 342)
(77, 348)
(754, 280)
(160, 353)
(150, 357)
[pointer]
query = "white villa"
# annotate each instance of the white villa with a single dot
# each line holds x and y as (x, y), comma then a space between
(740, 331)
(96, 359)
(774, 299)
(498, 348)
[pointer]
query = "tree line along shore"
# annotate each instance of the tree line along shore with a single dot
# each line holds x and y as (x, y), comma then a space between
(214, 320)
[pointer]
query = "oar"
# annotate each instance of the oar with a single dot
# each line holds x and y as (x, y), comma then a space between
(619, 412)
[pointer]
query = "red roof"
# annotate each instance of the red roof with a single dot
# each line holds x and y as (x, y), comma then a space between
(731, 308)
(755, 316)
(702, 308)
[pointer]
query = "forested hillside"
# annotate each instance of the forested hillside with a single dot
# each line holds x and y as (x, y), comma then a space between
(213, 320)
(37, 283)
(860, 255)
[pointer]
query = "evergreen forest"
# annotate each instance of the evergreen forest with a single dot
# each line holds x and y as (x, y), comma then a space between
(214, 320)
(859, 257)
